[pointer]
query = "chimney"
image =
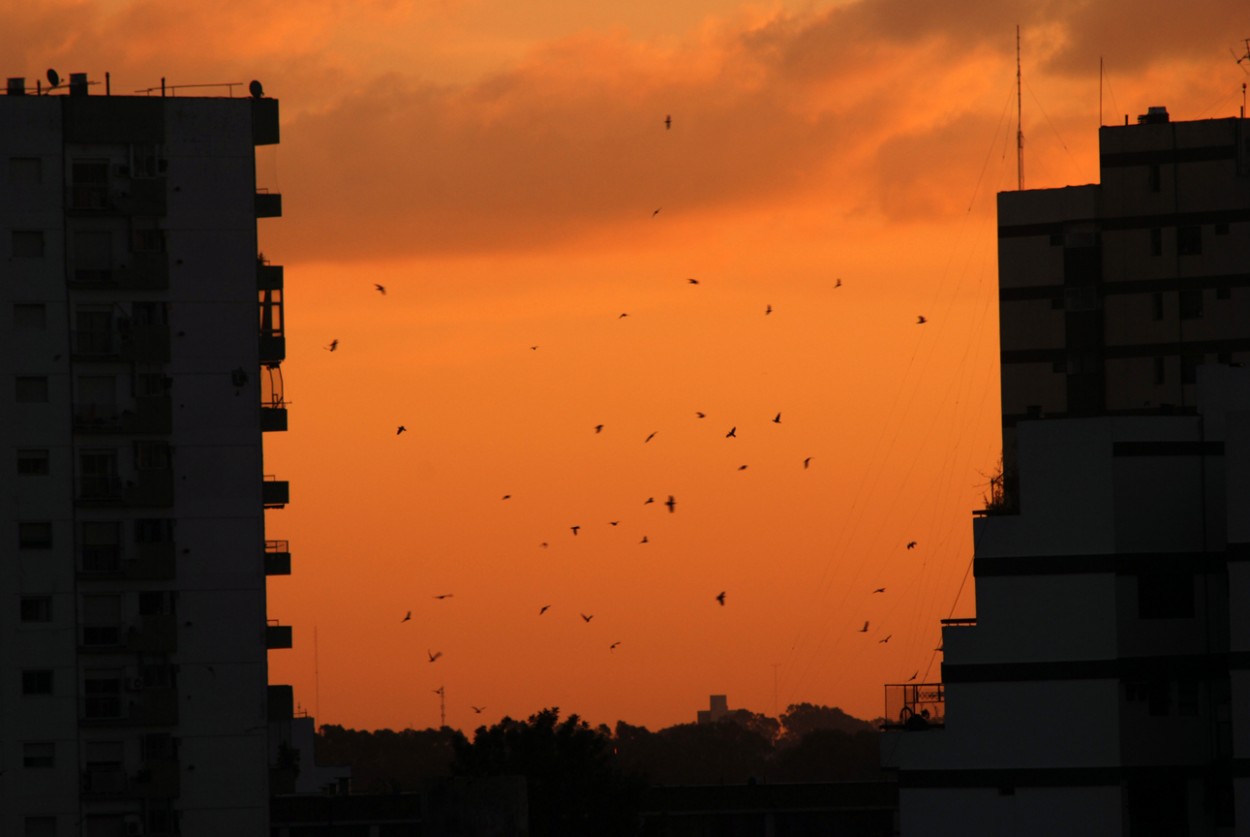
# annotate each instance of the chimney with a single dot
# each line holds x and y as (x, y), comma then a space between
(17, 86)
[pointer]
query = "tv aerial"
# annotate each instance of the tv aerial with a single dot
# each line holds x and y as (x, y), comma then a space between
(1243, 59)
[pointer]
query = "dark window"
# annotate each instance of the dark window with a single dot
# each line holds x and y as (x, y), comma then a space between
(90, 179)
(1165, 595)
(151, 456)
(38, 754)
(102, 692)
(1156, 306)
(154, 530)
(97, 473)
(1159, 371)
(31, 389)
(154, 602)
(33, 462)
(1156, 242)
(1191, 304)
(36, 608)
(1189, 241)
(37, 681)
(1189, 368)
(27, 244)
(34, 534)
(147, 240)
(101, 546)
(30, 315)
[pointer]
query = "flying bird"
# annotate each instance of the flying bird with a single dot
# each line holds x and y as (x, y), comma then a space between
(838, 283)
(477, 709)
(700, 414)
(911, 544)
(656, 212)
(650, 436)
(574, 530)
(864, 629)
(644, 539)
(914, 676)
(598, 428)
(668, 121)
(614, 522)
(648, 500)
(433, 655)
(921, 320)
(720, 598)
(742, 467)
(543, 544)
(379, 288)
(733, 433)
(334, 344)
(586, 618)
(671, 503)
(543, 609)
(507, 497)
(442, 596)
(879, 590)
(407, 616)
(807, 461)
(623, 315)
(400, 429)
(777, 419)
(887, 638)
(692, 280)
(768, 310)
(612, 647)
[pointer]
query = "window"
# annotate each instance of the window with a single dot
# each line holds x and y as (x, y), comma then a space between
(38, 754)
(1189, 368)
(34, 534)
(149, 384)
(155, 602)
(101, 546)
(1165, 595)
(154, 530)
(93, 256)
(98, 475)
(1156, 242)
(102, 690)
(36, 608)
(1156, 306)
(25, 171)
(93, 331)
(90, 180)
(101, 620)
(147, 240)
(151, 456)
(146, 161)
(1189, 241)
(30, 315)
(1160, 367)
(27, 244)
(37, 681)
(33, 462)
(32, 389)
(1191, 304)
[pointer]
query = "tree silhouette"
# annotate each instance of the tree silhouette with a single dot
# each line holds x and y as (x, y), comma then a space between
(385, 761)
(575, 784)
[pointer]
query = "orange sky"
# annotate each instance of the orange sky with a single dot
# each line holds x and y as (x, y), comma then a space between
(497, 166)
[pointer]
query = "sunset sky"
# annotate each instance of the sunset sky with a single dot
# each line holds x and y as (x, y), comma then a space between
(505, 171)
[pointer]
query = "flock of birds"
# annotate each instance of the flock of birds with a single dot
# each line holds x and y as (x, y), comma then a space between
(670, 503)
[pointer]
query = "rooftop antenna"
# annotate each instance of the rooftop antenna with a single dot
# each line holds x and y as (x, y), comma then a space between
(54, 79)
(1244, 58)
(1019, 123)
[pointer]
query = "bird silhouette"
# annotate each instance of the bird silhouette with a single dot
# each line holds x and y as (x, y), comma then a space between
(671, 503)
(807, 461)
(543, 544)
(442, 596)
(656, 212)
(623, 315)
(433, 655)
(379, 288)
(650, 436)
(879, 590)
(612, 647)
(477, 709)
(614, 523)
(586, 618)
(692, 280)
(777, 419)
(700, 414)
(506, 497)
(742, 467)
(400, 429)
(911, 544)
(407, 616)
(720, 598)
(864, 629)
(334, 344)
(838, 283)
(733, 433)
(887, 638)
(574, 530)
(598, 428)
(543, 609)
(644, 540)
(648, 500)
(921, 320)
(914, 676)
(768, 310)
(668, 122)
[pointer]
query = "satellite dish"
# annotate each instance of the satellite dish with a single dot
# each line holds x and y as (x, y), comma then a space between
(54, 78)
(256, 89)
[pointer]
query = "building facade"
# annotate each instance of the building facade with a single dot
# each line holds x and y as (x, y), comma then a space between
(136, 388)
(1104, 684)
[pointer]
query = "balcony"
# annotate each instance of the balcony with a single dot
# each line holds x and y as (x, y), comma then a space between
(272, 419)
(144, 343)
(268, 205)
(272, 392)
(144, 271)
(277, 558)
(157, 779)
(104, 781)
(136, 707)
(142, 196)
(277, 636)
(151, 415)
(915, 706)
(152, 488)
(275, 493)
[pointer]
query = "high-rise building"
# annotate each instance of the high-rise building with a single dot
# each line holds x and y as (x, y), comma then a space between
(1103, 686)
(140, 340)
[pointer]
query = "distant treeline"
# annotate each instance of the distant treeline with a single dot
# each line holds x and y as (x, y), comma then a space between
(807, 743)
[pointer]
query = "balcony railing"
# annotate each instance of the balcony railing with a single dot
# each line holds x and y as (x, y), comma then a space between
(275, 493)
(277, 636)
(915, 706)
(277, 558)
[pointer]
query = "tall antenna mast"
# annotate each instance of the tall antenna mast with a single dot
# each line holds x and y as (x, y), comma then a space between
(1019, 123)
